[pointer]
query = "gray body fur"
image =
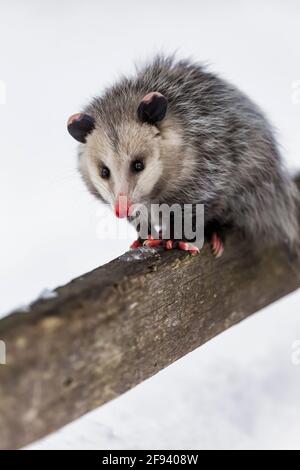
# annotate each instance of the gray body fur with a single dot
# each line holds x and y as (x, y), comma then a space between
(237, 170)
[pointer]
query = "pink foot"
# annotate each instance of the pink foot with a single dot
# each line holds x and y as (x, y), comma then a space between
(150, 243)
(167, 244)
(184, 246)
(217, 245)
(172, 245)
(136, 244)
(139, 243)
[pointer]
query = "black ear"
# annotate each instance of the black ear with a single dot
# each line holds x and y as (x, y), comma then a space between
(152, 108)
(80, 125)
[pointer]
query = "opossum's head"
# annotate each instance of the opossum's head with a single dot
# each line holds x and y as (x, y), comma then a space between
(126, 158)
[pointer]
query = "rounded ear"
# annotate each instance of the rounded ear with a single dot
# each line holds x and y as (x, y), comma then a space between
(152, 108)
(80, 125)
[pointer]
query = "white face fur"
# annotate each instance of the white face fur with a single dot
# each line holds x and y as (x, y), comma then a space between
(131, 166)
(143, 159)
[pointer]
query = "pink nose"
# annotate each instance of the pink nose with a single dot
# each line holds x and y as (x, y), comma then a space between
(122, 206)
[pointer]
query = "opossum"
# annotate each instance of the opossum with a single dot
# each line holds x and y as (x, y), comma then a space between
(177, 133)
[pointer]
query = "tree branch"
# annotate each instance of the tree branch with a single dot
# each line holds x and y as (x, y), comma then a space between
(114, 327)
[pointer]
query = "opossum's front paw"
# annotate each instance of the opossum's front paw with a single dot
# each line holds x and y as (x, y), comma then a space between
(217, 245)
(150, 243)
(171, 245)
(181, 245)
(136, 244)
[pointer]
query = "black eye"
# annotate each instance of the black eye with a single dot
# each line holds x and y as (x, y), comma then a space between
(105, 173)
(137, 166)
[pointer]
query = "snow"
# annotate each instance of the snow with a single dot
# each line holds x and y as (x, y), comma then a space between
(139, 254)
(47, 294)
(241, 389)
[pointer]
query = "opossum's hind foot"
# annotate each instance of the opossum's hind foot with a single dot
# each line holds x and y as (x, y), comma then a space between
(216, 244)
(215, 235)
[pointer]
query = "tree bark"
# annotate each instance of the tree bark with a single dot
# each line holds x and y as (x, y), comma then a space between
(114, 327)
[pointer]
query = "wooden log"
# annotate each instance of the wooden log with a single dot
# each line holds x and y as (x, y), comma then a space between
(114, 327)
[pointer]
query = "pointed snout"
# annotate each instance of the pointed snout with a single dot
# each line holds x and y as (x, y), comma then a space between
(122, 206)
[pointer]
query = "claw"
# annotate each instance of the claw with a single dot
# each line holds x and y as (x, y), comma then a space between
(169, 245)
(217, 246)
(184, 246)
(152, 243)
(194, 250)
(138, 243)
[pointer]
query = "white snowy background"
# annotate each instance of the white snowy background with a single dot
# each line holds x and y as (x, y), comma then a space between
(242, 389)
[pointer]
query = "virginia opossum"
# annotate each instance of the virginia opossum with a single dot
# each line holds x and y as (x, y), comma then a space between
(176, 133)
